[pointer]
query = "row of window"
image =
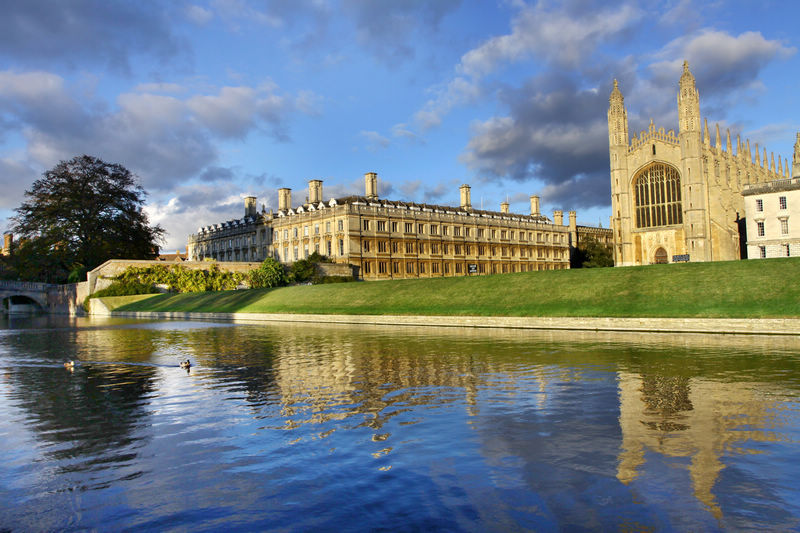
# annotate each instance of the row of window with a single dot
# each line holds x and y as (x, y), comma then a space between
(782, 204)
(326, 250)
(784, 223)
(306, 230)
(457, 249)
(785, 251)
(413, 268)
(455, 231)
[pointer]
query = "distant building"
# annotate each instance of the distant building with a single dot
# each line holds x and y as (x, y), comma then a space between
(8, 244)
(678, 197)
(177, 257)
(389, 239)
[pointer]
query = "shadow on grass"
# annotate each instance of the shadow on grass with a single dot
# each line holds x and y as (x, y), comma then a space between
(221, 301)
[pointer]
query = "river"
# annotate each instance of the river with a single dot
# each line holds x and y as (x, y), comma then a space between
(298, 427)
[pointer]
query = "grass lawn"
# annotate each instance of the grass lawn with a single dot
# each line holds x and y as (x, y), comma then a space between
(732, 289)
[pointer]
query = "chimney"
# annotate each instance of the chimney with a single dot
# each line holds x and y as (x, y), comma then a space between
(535, 206)
(504, 207)
(314, 191)
(371, 185)
(558, 217)
(466, 202)
(573, 228)
(249, 206)
(8, 243)
(284, 199)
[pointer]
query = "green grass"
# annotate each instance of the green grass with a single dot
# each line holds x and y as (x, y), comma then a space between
(734, 289)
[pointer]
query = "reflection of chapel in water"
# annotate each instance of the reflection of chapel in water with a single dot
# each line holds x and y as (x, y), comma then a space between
(681, 417)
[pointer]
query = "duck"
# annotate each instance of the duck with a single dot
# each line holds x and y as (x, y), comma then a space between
(69, 365)
(186, 364)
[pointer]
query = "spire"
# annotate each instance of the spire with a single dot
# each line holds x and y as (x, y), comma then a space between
(738, 145)
(617, 118)
(772, 161)
(749, 152)
(780, 166)
(719, 142)
(728, 146)
(758, 156)
(686, 77)
(796, 158)
(688, 103)
(706, 135)
(615, 92)
(765, 157)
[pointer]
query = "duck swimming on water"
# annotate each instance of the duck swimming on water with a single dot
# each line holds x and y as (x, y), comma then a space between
(69, 365)
(186, 364)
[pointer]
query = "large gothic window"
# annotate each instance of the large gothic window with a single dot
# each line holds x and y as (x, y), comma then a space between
(657, 196)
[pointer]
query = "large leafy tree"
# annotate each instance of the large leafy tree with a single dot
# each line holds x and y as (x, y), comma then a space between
(81, 213)
(591, 253)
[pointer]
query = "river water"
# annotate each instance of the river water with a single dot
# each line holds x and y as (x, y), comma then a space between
(329, 428)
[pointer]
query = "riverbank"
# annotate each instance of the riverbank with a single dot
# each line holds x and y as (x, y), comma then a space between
(735, 289)
(773, 326)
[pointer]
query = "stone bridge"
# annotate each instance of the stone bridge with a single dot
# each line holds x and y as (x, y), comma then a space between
(31, 297)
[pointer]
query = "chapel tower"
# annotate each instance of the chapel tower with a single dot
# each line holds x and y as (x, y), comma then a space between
(695, 213)
(620, 191)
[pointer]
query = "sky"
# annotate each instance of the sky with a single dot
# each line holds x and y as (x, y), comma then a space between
(211, 101)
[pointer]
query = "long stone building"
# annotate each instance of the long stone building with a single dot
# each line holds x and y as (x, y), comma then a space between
(678, 197)
(387, 239)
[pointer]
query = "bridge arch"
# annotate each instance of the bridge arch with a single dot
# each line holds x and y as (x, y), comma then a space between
(22, 304)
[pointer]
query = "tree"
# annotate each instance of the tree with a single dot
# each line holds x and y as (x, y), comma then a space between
(85, 211)
(591, 254)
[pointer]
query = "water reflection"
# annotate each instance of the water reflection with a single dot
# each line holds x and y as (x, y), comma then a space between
(309, 426)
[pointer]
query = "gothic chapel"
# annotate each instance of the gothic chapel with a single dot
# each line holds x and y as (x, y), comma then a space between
(678, 198)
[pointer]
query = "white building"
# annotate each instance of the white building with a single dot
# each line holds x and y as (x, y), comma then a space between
(772, 212)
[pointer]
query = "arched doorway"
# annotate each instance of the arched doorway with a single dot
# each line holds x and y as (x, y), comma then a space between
(661, 257)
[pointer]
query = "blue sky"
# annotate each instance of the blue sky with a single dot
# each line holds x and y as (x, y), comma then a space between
(209, 101)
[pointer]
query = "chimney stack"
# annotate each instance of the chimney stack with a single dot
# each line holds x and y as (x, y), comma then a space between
(466, 202)
(8, 243)
(314, 191)
(558, 217)
(573, 228)
(535, 206)
(249, 206)
(284, 199)
(504, 207)
(371, 185)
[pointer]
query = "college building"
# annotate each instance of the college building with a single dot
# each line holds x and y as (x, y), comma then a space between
(679, 197)
(387, 239)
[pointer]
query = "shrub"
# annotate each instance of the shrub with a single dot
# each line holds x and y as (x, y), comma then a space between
(269, 274)
(181, 279)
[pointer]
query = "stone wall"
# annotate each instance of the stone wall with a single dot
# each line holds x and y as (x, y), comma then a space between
(335, 269)
(101, 277)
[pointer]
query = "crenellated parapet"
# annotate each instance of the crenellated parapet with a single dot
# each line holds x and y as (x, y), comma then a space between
(651, 134)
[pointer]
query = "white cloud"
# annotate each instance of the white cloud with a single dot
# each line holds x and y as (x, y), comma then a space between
(199, 15)
(375, 140)
(559, 37)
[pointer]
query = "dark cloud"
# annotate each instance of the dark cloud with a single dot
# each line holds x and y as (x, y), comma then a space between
(76, 32)
(217, 174)
(389, 29)
(555, 132)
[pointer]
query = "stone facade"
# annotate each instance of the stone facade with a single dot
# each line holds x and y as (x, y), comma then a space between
(677, 197)
(772, 214)
(387, 239)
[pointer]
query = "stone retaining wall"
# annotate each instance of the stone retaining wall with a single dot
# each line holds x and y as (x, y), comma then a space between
(744, 326)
